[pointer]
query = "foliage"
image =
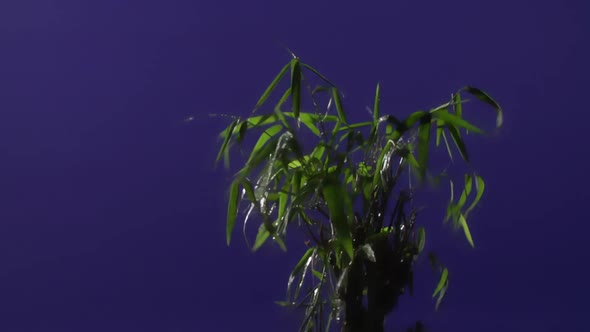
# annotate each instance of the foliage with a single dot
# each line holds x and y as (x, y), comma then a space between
(337, 188)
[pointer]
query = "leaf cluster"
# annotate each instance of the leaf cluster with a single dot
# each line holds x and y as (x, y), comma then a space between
(342, 184)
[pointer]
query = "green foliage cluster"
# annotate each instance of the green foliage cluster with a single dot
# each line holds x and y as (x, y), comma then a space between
(346, 192)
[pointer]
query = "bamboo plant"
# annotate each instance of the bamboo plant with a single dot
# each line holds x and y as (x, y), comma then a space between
(347, 186)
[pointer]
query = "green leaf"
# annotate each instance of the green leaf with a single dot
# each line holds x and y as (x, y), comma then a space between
(466, 191)
(421, 239)
(341, 213)
(300, 265)
(232, 209)
(463, 224)
(261, 237)
(338, 104)
(449, 151)
(480, 187)
(413, 118)
(354, 126)
(280, 242)
(296, 87)
(458, 105)
(243, 127)
(441, 283)
(453, 120)
(228, 135)
(376, 105)
(423, 142)
(261, 120)
(439, 131)
(317, 73)
(318, 274)
(279, 113)
(283, 197)
(308, 121)
(458, 142)
(481, 95)
(272, 86)
(264, 137)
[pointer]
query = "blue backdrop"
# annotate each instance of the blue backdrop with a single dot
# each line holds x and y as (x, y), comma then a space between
(112, 215)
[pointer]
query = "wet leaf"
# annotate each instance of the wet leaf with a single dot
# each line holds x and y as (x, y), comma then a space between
(300, 265)
(369, 253)
(341, 213)
(283, 197)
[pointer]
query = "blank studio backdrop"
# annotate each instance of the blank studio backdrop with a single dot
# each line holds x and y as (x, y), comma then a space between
(112, 214)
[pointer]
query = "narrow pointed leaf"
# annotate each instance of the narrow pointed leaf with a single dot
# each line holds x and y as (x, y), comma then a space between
(264, 137)
(441, 295)
(441, 283)
(479, 187)
(232, 209)
(279, 113)
(463, 224)
(261, 237)
(458, 142)
(296, 87)
(423, 142)
(226, 140)
(338, 104)
(481, 95)
(341, 213)
(421, 239)
(300, 265)
(242, 128)
(376, 105)
(317, 73)
(458, 105)
(466, 191)
(455, 121)
(308, 121)
(272, 86)
(439, 131)
(447, 146)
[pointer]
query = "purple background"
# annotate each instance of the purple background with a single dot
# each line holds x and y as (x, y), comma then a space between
(112, 215)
